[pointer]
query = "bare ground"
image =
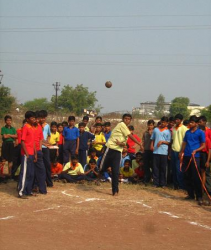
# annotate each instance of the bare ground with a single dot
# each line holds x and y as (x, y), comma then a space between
(77, 216)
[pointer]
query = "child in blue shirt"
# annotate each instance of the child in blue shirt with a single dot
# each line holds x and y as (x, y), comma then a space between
(84, 140)
(161, 138)
(193, 143)
(71, 140)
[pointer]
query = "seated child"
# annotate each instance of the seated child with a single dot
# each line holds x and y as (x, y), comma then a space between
(73, 171)
(54, 139)
(91, 170)
(100, 140)
(92, 155)
(107, 175)
(126, 172)
(135, 162)
(56, 168)
(3, 177)
(125, 156)
(139, 171)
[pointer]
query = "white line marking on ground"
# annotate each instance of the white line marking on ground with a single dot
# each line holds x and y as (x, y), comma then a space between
(199, 225)
(169, 214)
(64, 192)
(91, 199)
(144, 205)
(45, 209)
(7, 218)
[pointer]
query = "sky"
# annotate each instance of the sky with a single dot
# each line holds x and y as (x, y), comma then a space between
(144, 47)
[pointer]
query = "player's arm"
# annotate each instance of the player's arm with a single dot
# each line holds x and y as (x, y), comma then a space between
(135, 140)
(208, 159)
(77, 145)
(35, 153)
(152, 145)
(24, 148)
(182, 150)
(199, 149)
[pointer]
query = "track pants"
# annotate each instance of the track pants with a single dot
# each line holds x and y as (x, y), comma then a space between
(112, 158)
(192, 181)
(159, 169)
(47, 164)
(26, 178)
(40, 173)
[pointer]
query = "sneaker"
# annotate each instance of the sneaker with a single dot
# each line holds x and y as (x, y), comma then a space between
(22, 197)
(189, 198)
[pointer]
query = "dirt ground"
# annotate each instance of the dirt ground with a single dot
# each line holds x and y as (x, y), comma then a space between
(85, 216)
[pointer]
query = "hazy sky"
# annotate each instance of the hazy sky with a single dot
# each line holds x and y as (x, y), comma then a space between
(145, 47)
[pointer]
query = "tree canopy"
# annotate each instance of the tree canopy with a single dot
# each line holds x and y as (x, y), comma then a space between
(160, 106)
(6, 100)
(207, 112)
(179, 105)
(76, 99)
(37, 104)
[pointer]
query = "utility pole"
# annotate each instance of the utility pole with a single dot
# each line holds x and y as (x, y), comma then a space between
(56, 87)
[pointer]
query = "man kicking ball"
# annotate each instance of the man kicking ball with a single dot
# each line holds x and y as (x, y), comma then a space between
(113, 152)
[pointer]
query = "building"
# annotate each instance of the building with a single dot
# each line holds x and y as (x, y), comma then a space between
(148, 108)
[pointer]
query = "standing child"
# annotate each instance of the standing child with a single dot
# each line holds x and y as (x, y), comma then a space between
(40, 172)
(178, 134)
(107, 130)
(161, 138)
(84, 139)
(45, 144)
(54, 140)
(131, 143)
(100, 140)
(8, 137)
(29, 155)
(60, 142)
(17, 152)
(71, 140)
(115, 144)
(125, 156)
(193, 143)
(148, 154)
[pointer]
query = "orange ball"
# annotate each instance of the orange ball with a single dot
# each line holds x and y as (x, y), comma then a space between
(108, 84)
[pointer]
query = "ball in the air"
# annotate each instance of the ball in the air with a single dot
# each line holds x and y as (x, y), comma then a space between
(108, 84)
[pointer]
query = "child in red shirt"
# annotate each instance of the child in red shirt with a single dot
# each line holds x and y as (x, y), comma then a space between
(29, 155)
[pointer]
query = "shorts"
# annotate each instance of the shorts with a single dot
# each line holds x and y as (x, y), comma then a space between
(7, 152)
(203, 160)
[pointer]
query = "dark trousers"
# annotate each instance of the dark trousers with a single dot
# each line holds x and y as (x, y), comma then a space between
(53, 156)
(148, 165)
(40, 173)
(16, 159)
(26, 177)
(208, 179)
(178, 176)
(82, 155)
(71, 178)
(69, 148)
(47, 164)
(60, 157)
(159, 169)
(112, 158)
(191, 177)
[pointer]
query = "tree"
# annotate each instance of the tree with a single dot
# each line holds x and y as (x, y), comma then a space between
(160, 106)
(37, 104)
(179, 105)
(6, 100)
(76, 99)
(207, 112)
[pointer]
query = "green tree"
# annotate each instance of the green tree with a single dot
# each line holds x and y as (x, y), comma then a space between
(160, 106)
(76, 99)
(179, 105)
(6, 100)
(37, 104)
(207, 112)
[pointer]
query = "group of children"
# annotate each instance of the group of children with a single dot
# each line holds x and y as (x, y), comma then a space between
(170, 152)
